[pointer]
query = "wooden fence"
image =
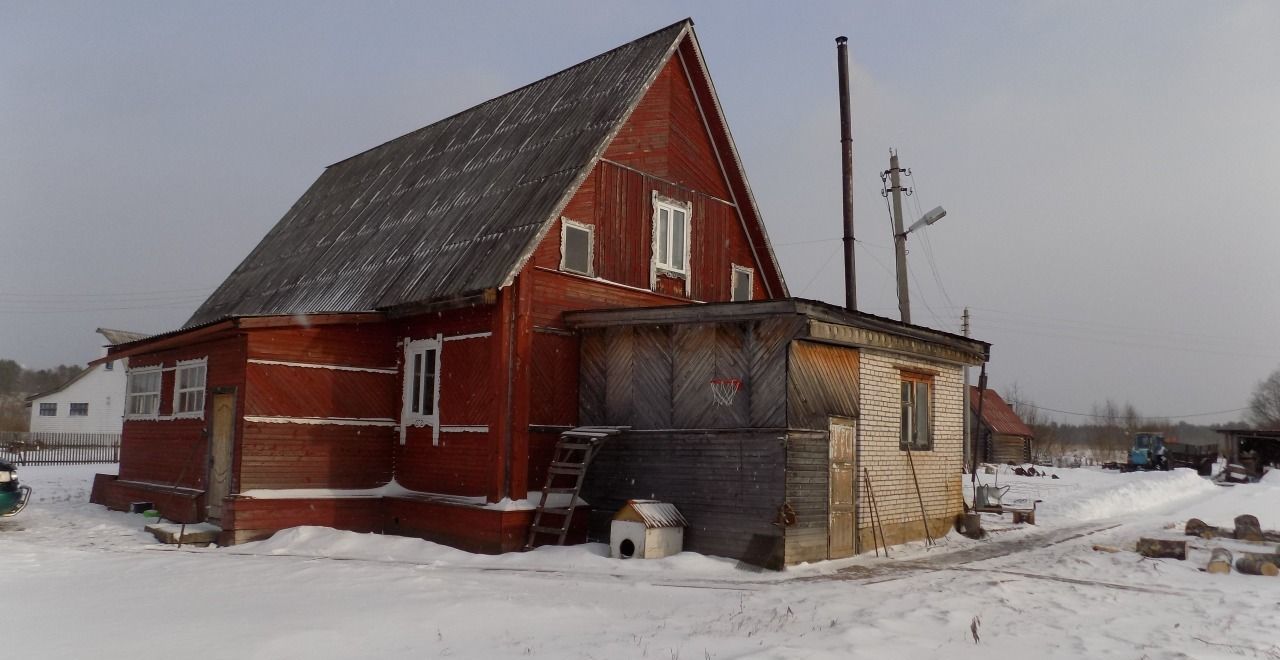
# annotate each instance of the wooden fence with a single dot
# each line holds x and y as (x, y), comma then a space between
(44, 448)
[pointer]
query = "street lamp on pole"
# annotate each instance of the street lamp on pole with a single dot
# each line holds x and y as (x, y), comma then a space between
(900, 245)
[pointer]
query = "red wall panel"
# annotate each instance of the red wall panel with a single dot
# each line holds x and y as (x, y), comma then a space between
(315, 456)
(284, 391)
(459, 465)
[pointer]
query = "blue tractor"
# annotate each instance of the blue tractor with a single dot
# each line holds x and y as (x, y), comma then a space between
(13, 496)
(1148, 452)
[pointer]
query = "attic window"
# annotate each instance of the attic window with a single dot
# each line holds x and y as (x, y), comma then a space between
(671, 229)
(577, 247)
(740, 286)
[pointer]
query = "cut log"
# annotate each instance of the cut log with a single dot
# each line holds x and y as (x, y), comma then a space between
(1198, 527)
(1219, 561)
(1106, 548)
(1162, 549)
(1258, 564)
(1248, 528)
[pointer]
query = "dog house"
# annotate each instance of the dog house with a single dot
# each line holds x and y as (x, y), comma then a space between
(646, 529)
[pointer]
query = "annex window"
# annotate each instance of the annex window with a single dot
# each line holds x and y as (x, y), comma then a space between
(916, 396)
(577, 247)
(48, 410)
(110, 365)
(671, 228)
(740, 286)
(143, 392)
(78, 410)
(422, 383)
(188, 388)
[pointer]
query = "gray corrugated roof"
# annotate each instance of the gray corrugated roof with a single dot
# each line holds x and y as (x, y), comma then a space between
(449, 209)
(114, 337)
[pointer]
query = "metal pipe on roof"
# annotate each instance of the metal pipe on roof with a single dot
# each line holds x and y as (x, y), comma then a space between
(846, 153)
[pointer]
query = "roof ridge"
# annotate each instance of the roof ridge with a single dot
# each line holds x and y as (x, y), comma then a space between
(680, 23)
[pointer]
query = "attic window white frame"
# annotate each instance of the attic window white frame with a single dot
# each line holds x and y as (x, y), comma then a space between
(148, 395)
(193, 395)
(566, 226)
(659, 267)
(416, 373)
(733, 283)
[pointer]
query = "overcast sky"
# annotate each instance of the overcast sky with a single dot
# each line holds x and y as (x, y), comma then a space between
(1111, 171)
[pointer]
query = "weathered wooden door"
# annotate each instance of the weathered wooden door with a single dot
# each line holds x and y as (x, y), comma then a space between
(221, 435)
(841, 527)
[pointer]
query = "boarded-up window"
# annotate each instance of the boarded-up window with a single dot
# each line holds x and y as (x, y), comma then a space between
(577, 248)
(916, 397)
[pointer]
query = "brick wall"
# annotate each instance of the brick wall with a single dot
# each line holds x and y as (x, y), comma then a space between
(897, 505)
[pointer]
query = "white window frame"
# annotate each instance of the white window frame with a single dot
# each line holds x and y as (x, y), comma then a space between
(566, 225)
(131, 395)
(733, 282)
(51, 407)
(408, 417)
(178, 390)
(661, 203)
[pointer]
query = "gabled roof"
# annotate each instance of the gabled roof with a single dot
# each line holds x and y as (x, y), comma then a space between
(451, 209)
(998, 415)
(652, 514)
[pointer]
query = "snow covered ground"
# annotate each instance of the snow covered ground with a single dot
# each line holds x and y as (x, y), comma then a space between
(81, 582)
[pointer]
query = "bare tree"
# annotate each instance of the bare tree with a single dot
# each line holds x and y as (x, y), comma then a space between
(1264, 405)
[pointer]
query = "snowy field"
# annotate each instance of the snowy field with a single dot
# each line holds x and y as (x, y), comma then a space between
(82, 582)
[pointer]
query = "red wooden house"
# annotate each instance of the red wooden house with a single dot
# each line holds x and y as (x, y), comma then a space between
(393, 355)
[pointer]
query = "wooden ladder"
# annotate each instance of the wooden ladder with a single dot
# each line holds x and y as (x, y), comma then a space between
(573, 454)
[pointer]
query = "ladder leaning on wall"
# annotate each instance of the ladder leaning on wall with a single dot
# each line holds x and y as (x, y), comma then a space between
(573, 454)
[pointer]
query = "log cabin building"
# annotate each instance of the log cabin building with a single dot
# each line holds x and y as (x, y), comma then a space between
(397, 355)
(1003, 437)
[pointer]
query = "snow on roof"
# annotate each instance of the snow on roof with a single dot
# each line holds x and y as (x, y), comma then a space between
(120, 336)
(652, 513)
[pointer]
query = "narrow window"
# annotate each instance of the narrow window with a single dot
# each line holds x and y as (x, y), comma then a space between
(671, 231)
(48, 410)
(188, 389)
(577, 245)
(916, 395)
(109, 365)
(421, 385)
(740, 286)
(79, 410)
(143, 393)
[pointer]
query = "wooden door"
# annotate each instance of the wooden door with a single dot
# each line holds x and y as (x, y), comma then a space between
(221, 441)
(841, 528)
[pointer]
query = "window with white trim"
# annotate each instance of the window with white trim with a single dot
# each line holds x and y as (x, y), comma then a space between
(740, 285)
(48, 410)
(143, 392)
(188, 389)
(577, 247)
(916, 432)
(671, 224)
(421, 383)
(78, 410)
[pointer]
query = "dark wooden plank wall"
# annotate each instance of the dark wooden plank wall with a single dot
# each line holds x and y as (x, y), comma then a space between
(176, 451)
(658, 376)
(728, 484)
(808, 474)
(315, 456)
(823, 382)
(357, 345)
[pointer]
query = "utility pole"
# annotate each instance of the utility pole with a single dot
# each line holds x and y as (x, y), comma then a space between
(899, 236)
(846, 164)
(968, 439)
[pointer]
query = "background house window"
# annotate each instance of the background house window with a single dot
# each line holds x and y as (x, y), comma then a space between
(422, 382)
(79, 410)
(670, 236)
(188, 389)
(110, 365)
(48, 410)
(577, 247)
(143, 392)
(740, 286)
(917, 393)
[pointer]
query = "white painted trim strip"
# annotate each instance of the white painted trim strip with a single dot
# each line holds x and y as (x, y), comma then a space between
(465, 429)
(476, 335)
(313, 365)
(334, 421)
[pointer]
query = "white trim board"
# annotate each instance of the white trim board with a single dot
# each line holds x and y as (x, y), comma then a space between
(313, 365)
(332, 421)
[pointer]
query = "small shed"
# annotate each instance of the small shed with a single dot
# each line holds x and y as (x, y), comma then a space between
(1003, 437)
(647, 529)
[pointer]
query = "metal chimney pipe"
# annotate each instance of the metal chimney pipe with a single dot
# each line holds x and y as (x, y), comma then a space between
(846, 166)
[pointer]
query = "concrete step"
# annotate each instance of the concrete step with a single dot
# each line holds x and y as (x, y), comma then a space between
(200, 534)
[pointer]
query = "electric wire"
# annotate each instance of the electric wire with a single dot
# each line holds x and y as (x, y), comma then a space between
(1097, 416)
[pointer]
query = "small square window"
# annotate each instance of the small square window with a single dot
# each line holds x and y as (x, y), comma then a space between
(740, 287)
(79, 410)
(577, 247)
(188, 389)
(109, 365)
(48, 410)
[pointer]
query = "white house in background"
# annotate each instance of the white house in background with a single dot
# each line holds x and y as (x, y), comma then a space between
(92, 402)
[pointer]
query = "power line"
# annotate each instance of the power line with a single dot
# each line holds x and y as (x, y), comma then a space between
(1096, 416)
